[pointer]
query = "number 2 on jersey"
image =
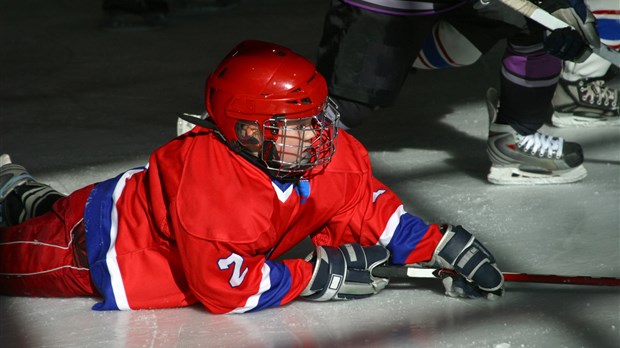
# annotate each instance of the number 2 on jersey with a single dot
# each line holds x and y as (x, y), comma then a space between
(237, 276)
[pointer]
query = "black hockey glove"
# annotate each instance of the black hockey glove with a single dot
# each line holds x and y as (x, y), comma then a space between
(345, 273)
(476, 274)
(566, 44)
(571, 44)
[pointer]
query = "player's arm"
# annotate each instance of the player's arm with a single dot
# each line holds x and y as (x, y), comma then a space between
(449, 247)
(226, 279)
(232, 278)
(382, 220)
(374, 216)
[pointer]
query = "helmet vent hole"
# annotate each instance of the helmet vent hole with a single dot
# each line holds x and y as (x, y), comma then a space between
(292, 102)
(306, 101)
(222, 73)
(280, 53)
(297, 90)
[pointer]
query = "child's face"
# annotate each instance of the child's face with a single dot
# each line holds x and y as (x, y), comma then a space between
(289, 147)
(295, 141)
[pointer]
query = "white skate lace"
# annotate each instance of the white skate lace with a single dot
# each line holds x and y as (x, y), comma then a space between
(540, 145)
(595, 92)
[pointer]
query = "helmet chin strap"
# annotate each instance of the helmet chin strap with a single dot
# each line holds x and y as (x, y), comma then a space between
(269, 151)
(260, 164)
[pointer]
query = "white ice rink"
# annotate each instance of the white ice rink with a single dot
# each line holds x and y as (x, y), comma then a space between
(78, 105)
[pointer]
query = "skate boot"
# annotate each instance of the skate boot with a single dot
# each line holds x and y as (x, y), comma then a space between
(585, 103)
(529, 160)
(11, 176)
(21, 196)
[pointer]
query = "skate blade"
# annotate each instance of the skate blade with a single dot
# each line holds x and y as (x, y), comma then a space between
(516, 176)
(570, 120)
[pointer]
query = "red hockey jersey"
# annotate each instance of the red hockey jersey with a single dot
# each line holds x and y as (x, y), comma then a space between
(201, 223)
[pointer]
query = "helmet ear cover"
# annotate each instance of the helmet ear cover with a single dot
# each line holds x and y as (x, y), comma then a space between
(249, 135)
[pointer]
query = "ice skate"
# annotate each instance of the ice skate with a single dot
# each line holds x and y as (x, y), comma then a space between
(21, 196)
(585, 103)
(529, 160)
(11, 176)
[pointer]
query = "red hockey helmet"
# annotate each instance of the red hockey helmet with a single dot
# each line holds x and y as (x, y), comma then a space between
(271, 102)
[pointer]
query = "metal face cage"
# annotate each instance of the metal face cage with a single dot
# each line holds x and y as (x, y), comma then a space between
(292, 147)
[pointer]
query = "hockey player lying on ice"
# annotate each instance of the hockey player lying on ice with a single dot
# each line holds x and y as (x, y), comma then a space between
(207, 217)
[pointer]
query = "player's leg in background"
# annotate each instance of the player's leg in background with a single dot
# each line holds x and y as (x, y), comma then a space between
(583, 98)
(446, 47)
(366, 56)
(518, 152)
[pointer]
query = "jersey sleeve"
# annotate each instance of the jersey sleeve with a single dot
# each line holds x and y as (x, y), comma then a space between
(230, 278)
(375, 215)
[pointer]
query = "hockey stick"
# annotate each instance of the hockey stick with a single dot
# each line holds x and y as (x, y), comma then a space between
(551, 22)
(404, 272)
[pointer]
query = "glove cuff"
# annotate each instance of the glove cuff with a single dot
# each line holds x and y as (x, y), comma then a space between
(459, 250)
(328, 275)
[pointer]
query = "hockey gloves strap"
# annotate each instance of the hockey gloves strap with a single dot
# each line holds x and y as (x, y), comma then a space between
(345, 272)
(475, 272)
(571, 44)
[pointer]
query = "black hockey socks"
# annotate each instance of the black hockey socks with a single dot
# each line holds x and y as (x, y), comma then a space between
(27, 201)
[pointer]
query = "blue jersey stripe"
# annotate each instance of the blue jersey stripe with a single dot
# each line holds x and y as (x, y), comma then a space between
(100, 223)
(280, 284)
(97, 221)
(409, 232)
(609, 29)
(433, 56)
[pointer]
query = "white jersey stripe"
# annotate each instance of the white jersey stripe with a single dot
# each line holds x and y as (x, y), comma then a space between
(390, 227)
(265, 284)
(116, 279)
(282, 195)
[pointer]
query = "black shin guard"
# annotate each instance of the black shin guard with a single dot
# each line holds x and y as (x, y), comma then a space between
(27, 201)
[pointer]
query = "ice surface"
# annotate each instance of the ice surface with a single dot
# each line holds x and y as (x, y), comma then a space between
(79, 105)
